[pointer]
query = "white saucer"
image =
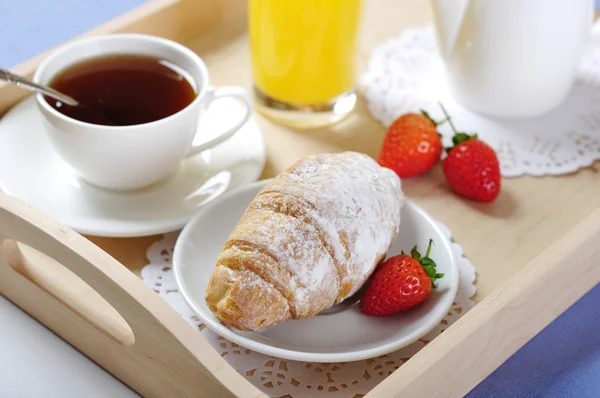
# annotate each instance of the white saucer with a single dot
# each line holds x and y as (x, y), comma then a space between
(31, 171)
(338, 336)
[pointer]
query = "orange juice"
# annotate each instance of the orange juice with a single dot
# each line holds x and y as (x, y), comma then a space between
(303, 51)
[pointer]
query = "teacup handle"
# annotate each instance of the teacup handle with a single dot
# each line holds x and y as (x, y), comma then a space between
(213, 94)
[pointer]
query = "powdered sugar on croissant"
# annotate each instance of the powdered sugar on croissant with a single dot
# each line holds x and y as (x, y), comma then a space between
(313, 235)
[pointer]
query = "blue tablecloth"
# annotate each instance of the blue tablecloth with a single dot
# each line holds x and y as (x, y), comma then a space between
(30, 27)
(562, 361)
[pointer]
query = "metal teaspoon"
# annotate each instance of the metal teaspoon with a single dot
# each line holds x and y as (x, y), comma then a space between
(26, 83)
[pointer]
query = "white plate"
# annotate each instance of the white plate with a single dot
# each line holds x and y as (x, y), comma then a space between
(31, 171)
(343, 335)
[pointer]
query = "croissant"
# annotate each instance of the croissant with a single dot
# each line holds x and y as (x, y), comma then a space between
(310, 239)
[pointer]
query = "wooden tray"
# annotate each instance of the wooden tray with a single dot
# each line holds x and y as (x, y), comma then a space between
(535, 249)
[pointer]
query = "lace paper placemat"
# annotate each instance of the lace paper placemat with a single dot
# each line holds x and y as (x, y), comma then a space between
(405, 74)
(278, 377)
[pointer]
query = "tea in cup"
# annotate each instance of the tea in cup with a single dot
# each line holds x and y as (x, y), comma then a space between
(142, 99)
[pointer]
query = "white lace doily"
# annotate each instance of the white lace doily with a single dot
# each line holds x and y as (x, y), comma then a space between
(406, 74)
(278, 377)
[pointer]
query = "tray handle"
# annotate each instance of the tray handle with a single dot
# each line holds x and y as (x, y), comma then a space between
(97, 305)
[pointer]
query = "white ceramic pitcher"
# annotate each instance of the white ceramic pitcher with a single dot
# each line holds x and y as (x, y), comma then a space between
(512, 58)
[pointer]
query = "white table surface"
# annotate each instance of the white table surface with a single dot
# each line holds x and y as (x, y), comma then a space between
(36, 363)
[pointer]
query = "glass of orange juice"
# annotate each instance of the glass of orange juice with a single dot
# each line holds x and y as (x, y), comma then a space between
(304, 59)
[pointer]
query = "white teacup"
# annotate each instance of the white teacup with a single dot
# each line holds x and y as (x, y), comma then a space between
(132, 157)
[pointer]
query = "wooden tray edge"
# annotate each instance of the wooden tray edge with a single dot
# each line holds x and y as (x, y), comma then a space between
(480, 341)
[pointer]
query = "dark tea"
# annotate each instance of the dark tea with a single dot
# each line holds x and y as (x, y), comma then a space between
(123, 90)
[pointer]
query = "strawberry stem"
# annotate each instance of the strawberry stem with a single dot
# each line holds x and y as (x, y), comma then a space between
(462, 137)
(458, 136)
(448, 118)
(435, 122)
(428, 264)
(429, 248)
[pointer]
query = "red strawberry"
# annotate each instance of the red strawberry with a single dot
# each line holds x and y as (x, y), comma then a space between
(411, 146)
(472, 169)
(400, 283)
